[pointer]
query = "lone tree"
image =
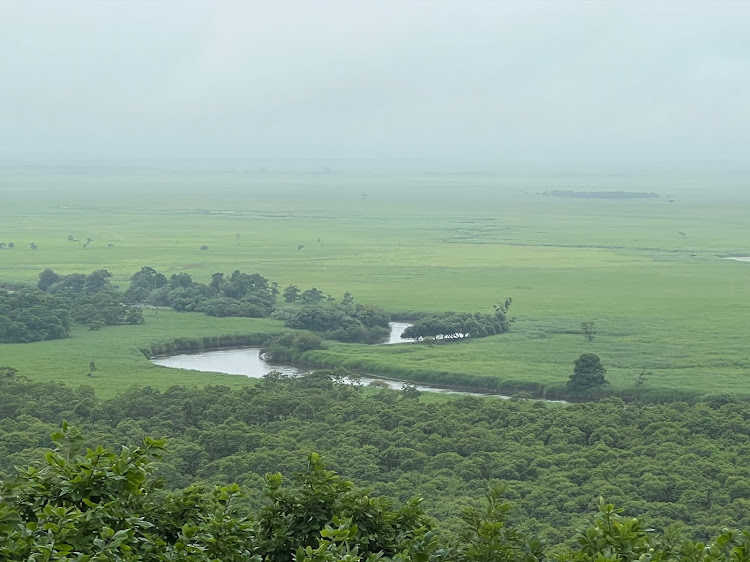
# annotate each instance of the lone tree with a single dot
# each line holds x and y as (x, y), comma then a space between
(587, 373)
(588, 329)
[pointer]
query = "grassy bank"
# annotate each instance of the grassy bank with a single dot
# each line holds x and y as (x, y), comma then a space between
(118, 352)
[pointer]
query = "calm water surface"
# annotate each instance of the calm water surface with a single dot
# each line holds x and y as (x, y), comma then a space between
(247, 361)
(397, 328)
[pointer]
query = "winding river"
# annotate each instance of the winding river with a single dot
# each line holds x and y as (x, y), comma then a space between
(246, 361)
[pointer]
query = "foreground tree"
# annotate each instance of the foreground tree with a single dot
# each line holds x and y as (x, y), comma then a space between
(105, 506)
(100, 505)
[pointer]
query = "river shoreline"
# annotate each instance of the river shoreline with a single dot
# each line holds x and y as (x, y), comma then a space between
(294, 368)
(231, 357)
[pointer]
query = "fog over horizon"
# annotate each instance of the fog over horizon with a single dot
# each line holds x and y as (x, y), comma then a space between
(494, 85)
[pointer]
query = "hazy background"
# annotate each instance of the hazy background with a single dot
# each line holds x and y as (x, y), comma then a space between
(578, 86)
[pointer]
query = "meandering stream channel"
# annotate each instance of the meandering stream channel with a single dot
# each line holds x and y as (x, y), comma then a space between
(247, 361)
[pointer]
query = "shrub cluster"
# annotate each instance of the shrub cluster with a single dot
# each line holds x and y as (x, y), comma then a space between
(239, 294)
(342, 322)
(455, 326)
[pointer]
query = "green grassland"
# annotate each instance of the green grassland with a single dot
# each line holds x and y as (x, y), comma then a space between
(662, 301)
(117, 352)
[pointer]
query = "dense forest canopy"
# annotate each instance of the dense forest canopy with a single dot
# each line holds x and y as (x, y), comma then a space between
(101, 505)
(670, 464)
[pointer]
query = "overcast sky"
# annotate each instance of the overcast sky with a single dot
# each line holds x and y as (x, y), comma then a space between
(571, 83)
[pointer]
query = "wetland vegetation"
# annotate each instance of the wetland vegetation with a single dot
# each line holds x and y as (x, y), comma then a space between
(639, 283)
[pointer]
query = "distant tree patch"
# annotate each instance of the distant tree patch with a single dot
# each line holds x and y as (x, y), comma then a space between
(601, 194)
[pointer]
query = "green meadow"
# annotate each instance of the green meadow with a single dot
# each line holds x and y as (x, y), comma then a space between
(650, 274)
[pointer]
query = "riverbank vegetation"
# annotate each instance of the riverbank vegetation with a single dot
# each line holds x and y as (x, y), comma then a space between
(507, 364)
(450, 325)
(343, 322)
(120, 352)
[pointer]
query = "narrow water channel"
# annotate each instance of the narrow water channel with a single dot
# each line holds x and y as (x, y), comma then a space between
(246, 361)
(397, 328)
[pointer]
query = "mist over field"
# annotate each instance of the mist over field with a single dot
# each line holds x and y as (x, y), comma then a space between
(514, 87)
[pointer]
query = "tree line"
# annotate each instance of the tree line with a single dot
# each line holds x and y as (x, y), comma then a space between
(47, 311)
(93, 300)
(32, 315)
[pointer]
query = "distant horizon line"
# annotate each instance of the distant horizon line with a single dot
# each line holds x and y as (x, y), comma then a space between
(332, 165)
